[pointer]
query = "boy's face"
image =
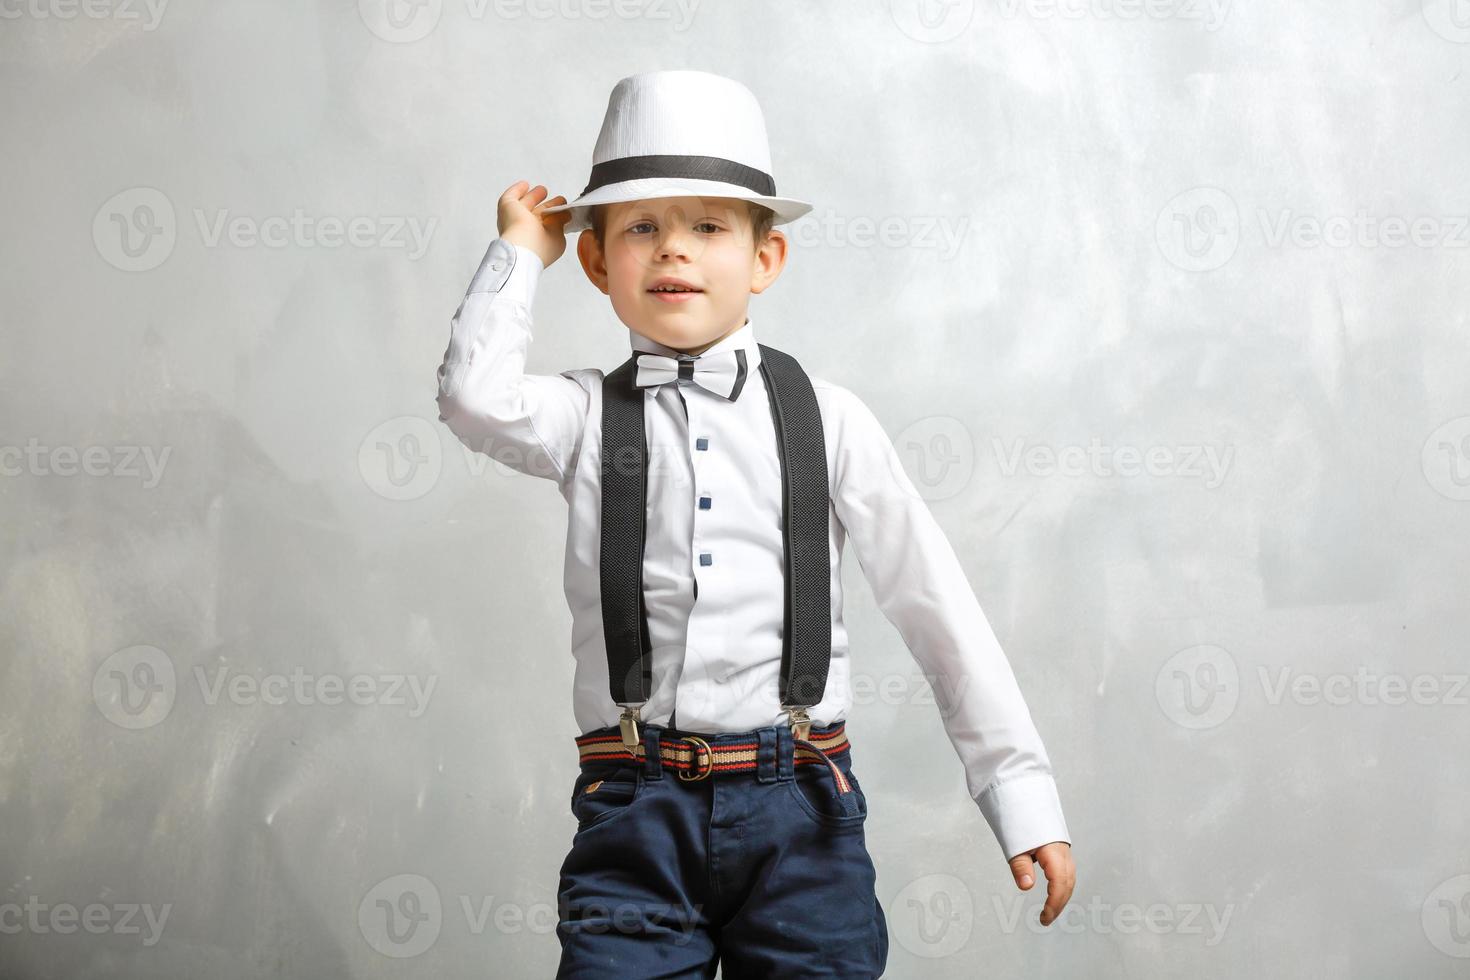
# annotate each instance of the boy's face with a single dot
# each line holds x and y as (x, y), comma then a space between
(705, 242)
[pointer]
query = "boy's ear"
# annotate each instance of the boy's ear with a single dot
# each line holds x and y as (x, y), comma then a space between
(770, 259)
(594, 263)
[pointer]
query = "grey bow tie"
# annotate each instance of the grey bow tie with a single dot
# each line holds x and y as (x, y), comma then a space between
(722, 373)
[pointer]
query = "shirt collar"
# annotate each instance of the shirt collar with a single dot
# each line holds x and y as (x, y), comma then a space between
(742, 338)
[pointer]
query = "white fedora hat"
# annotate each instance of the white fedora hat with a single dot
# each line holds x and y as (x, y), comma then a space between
(681, 134)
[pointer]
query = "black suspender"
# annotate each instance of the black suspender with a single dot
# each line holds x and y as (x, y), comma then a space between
(806, 642)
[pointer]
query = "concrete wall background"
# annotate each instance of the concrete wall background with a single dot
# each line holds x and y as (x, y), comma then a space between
(1164, 305)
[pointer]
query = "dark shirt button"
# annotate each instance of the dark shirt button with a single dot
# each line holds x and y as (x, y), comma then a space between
(704, 503)
(706, 558)
(701, 443)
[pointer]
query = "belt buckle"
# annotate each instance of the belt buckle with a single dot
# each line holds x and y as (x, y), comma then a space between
(704, 774)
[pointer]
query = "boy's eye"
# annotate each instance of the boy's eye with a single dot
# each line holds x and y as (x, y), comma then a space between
(644, 227)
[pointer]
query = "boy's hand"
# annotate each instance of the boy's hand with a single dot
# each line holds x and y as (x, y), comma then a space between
(1061, 876)
(522, 222)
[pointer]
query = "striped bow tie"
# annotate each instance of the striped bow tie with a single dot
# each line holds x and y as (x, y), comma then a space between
(722, 373)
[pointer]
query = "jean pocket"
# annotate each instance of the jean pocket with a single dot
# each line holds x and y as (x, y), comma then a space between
(815, 791)
(598, 797)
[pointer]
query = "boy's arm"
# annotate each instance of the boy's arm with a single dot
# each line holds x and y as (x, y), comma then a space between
(921, 588)
(532, 423)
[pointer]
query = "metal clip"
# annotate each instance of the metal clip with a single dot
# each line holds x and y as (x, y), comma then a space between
(628, 722)
(801, 725)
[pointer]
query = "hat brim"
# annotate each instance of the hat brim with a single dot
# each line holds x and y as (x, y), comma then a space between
(648, 188)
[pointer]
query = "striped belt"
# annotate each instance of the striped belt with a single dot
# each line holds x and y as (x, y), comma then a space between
(694, 758)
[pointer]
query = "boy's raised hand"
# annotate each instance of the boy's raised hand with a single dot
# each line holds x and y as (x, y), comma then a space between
(1061, 876)
(522, 221)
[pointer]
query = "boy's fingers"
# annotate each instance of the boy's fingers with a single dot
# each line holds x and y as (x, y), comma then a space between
(1061, 878)
(1022, 869)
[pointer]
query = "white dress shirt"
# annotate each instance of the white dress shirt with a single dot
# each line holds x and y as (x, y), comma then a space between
(714, 528)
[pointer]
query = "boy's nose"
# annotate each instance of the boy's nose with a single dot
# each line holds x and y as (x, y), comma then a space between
(674, 242)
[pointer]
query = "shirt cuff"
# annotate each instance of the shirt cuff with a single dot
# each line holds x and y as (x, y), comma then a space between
(512, 271)
(1024, 812)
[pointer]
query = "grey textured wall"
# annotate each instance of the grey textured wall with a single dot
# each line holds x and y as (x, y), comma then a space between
(1164, 303)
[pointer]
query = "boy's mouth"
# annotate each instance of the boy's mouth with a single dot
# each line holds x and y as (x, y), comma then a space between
(671, 290)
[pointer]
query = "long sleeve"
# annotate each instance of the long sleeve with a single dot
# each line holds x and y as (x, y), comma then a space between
(921, 588)
(530, 422)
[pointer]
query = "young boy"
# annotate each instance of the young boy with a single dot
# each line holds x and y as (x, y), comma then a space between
(711, 486)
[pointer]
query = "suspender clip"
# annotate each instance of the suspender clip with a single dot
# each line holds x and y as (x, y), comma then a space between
(628, 722)
(801, 725)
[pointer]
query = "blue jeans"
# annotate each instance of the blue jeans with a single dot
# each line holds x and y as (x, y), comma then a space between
(759, 871)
